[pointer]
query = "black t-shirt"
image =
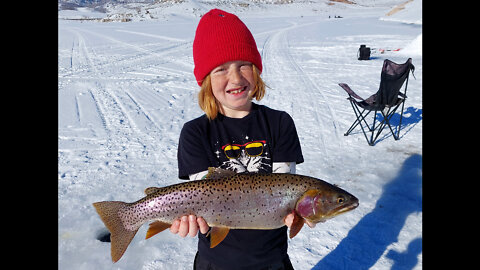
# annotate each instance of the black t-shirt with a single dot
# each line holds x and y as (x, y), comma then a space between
(250, 144)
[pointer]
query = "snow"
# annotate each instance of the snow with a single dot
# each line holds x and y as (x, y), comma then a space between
(408, 12)
(126, 88)
(414, 48)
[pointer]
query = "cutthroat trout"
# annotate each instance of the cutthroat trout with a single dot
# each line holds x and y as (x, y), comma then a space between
(226, 200)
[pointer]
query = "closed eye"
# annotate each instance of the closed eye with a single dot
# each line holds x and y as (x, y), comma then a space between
(218, 70)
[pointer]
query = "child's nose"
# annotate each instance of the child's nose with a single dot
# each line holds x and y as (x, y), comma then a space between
(235, 76)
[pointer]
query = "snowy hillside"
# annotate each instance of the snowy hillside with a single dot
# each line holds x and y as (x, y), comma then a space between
(126, 88)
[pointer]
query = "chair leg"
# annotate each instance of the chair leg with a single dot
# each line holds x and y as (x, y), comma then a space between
(385, 121)
(389, 115)
(372, 130)
(360, 118)
(381, 126)
(351, 128)
(395, 136)
(400, 122)
(377, 126)
(358, 121)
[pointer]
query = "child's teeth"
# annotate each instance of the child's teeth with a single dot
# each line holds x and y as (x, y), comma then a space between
(236, 91)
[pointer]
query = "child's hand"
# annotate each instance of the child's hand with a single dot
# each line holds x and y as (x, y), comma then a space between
(189, 225)
(289, 220)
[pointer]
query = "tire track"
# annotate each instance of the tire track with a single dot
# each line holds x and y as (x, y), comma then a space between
(310, 83)
(128, 129)
(117, 65)
(311, 107)
(141, 53)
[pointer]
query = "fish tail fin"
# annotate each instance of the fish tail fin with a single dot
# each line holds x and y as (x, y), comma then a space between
(120, 237)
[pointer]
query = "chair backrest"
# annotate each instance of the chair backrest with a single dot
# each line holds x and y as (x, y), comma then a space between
(391, 81)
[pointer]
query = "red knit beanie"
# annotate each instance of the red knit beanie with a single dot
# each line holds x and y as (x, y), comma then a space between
(222, 37)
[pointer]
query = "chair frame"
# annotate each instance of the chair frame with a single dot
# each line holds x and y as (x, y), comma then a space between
(387, 110)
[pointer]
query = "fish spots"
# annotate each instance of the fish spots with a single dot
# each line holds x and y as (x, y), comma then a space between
(240, 201)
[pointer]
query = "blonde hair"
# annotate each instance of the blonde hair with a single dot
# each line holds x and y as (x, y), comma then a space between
(209, 104)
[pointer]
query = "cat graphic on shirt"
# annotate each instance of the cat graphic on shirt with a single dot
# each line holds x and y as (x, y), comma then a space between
(249, 157)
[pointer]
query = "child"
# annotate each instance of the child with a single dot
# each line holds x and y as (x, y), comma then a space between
(234, 134)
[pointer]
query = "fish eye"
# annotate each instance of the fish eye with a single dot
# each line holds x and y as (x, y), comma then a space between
(340, 200)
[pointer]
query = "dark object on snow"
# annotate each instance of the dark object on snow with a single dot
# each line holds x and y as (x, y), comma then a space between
(104, 236)
(363, 52)
(387, 100)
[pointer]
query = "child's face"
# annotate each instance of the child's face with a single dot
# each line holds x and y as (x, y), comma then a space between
(232, 83)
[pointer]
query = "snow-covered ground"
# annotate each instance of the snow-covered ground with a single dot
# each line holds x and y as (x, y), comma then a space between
(126, 88)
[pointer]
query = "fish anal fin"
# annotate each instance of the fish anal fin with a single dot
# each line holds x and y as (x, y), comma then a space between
(151, 190)
(217, 173)
(297, 225)
(217, 234)
(156, 227)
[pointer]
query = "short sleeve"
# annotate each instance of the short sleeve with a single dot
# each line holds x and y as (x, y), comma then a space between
(191, 151)
(287, 145)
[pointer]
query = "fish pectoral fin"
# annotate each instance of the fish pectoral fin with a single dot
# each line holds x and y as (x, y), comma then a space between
(217, 234)
(297, 225)
(156, 227)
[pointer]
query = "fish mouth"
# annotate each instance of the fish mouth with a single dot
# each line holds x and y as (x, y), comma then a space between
(338, 211)
(344, 209)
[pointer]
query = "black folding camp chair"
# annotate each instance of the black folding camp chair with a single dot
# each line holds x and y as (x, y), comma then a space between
(386, 100)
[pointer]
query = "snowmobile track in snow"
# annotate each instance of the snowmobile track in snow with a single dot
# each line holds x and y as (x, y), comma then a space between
(279, 63)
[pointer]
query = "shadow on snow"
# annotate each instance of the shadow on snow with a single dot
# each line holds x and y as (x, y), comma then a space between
(411, 117)
(368, 240)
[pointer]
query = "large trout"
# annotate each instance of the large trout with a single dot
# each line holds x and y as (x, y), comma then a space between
(227, 200)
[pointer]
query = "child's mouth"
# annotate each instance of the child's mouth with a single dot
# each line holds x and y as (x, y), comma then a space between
(237, 91)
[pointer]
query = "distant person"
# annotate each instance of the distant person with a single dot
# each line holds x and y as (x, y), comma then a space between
(234, 134)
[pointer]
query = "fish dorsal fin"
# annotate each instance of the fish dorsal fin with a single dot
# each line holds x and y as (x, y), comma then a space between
(151, 190)
(297, 225)
(156, 227)
(218, 173)
(217, 234)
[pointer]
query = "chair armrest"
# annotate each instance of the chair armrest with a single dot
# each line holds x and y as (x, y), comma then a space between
(349, 91)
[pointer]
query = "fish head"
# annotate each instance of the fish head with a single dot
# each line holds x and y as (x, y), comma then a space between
(319, 205)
